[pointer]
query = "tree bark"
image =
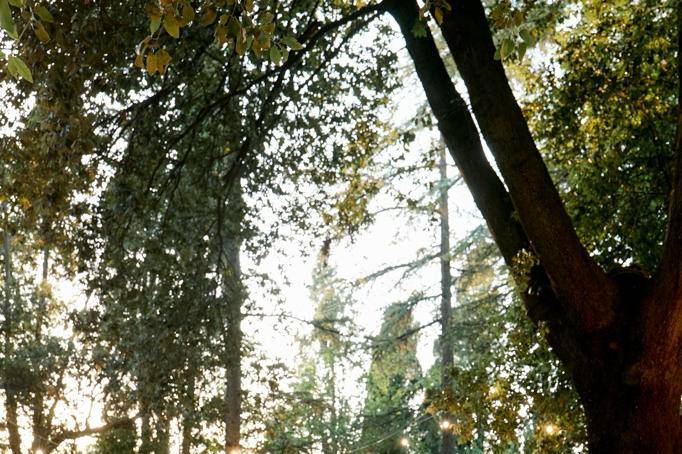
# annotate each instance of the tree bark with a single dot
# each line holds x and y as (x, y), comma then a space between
(446, 350)
(629, 390)
(11, 405)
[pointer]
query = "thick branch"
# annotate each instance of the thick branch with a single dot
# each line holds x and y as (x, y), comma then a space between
(460, 134)
(576, 278)
(75, 434)
(461, 137)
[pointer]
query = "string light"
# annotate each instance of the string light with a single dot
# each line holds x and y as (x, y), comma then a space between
(445, 424)
(494, 391)
(551, 429)
(404, 442)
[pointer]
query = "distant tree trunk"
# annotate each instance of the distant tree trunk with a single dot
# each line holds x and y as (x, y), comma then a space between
(232, 345)
(41, 430)
(188, 418)
(187, 426)
(233, 295)
(446, 351)
(334, 414)
(10, 392)
(146, 446)
(162, 442)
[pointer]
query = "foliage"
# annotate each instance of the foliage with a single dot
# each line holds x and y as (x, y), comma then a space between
(611, 162)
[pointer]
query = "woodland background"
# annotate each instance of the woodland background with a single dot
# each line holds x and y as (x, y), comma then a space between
(235, 226)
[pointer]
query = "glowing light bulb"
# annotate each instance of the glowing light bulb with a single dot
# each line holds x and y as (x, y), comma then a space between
(445, 424)
(551, 429)
(39, 451)
(494, 391)
(404, 442)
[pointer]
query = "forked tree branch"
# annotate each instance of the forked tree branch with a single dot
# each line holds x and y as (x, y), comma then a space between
(578, 280)
(463, 142)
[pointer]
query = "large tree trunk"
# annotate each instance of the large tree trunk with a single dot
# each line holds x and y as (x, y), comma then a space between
(634, 419)
(446, 350)
(629, 387)
(10, 393)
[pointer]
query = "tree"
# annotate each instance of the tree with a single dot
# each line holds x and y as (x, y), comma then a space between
(393, 380)
(221, 119)
(617, 334)
(321, 416)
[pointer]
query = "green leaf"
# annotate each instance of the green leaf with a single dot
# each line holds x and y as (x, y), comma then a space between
(170, 24)
(17, 3)
(506, 49)
(44, 13)
(17, 66)
(267, 18)
(41, 33)
(6, 20)
(275, 55)
(154, 24)
(419, 29)
(527, 37)
(292, 43)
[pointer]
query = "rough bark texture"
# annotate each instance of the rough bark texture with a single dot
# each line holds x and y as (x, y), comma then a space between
(446, 350)
(618, 335)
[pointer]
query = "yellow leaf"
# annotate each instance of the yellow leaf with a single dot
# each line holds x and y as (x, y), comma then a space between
(208, 17)
(151, 63)
(171, 25)
(438, 14)
(187, 14)
(41, 33)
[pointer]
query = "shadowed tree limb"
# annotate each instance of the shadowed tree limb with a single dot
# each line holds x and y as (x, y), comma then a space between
(579, 282)
(461, 137)
(63, 436)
